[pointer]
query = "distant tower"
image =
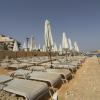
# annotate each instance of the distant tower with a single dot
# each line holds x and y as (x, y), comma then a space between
(27, 41)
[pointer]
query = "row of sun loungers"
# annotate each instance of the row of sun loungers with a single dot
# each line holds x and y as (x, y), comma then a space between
(23, 87)
(33, 82)
(23, 62)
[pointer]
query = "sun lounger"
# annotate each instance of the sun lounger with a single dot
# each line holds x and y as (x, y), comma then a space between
(16, 66)
(51, 78)
(21, 73)
(19, 65)
(36, 75)
(37, 68)
(31, 90)
(5, 64)
(70, 67)
(4, 78)
(65, 74)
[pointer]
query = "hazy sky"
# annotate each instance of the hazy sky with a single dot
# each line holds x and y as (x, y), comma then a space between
(80, 19)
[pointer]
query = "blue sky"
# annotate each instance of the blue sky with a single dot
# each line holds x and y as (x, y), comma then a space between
(80, 19)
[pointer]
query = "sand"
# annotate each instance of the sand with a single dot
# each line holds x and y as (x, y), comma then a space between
(4, 71)
(86, 83)
(8, 96)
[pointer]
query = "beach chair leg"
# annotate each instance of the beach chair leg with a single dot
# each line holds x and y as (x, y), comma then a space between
(66, 81)
(50, 94)
(63, 81)
(53, 89)
(55, 96)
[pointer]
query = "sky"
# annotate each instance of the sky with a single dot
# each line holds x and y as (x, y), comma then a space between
(80, 19)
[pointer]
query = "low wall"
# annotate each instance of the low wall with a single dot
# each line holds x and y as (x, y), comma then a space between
(19, 54)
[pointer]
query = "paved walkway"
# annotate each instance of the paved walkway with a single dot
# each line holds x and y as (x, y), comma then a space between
(85, 85)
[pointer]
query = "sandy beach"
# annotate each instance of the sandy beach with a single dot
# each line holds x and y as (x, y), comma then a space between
(86, 83)
(84, 86)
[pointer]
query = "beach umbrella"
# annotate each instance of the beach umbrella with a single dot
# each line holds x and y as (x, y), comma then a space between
(31, 45)
(39, 47)
(48, 39)
(60, 48)
(55, 47)
(24, 46)
(70, 44)
(76, 48)
(65, 45)
(35, 48)
(15, 47)
(64, 41)
(48, 35)
(44, 48)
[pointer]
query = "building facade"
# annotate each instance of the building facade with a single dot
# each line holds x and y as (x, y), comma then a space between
(7, 43)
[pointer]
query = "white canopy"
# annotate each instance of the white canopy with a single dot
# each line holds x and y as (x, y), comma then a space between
(39, 47)
(35, 48)
(15, 47)
(55, 47)
(24, 46)
(31, 45)
(44, 48)
(48, 35)
(64, 41)
(76, 47)
(70, 44)
(60, 48)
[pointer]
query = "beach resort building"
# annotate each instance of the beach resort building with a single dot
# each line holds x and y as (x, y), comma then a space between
(7, 43)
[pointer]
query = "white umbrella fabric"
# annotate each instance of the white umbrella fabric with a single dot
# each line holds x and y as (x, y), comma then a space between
(60, 48)
(39, 47)
(15, 47)
(70, 44)
(24, 46)
(48, 35)
(31, 45)
(44, 48)
(48, 39)
(76, 47)
(64, 41)
(55, 47)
